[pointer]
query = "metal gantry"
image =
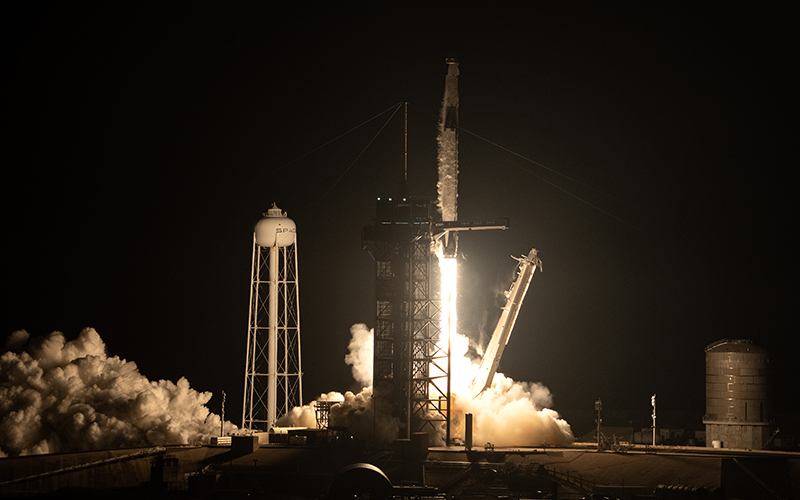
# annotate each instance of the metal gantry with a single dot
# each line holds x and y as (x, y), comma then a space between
(430, 361)
(410, 360)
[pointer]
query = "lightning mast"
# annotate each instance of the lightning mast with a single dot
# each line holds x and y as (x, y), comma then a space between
(273, 377)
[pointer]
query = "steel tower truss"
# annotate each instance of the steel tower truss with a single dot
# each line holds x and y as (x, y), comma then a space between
(430, 360)
(273, 374)
(410, 360)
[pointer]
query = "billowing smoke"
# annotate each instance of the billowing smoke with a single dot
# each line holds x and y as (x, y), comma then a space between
(512, 414)
(355, 411)
(509, 413)
(60, 396)
(360, 356)
(304, 416)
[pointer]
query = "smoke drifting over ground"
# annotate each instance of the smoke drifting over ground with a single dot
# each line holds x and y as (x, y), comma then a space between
(355, 411)
(509, 413)
(59, 396)
(512, 413)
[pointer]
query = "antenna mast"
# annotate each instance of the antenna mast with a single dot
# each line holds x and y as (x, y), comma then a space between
(405, 145)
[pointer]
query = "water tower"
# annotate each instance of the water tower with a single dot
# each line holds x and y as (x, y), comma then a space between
(738, 402)
(273, 376)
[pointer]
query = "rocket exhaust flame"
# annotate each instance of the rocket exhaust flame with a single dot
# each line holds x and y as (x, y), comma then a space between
(449, 295)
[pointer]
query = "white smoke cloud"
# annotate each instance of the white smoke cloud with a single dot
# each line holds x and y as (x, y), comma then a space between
(358, 414)
(16, 340)
(509, 413)
(59, 396)
(354, 411)
(512, 413)
(305, 416)
(360, 356)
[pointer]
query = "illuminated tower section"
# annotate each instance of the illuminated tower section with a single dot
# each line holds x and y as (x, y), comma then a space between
(411, 356)
(407, 316)
(273, 376)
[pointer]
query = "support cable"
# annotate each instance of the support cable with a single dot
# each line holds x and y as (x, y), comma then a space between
(576, 181)
(397, 107)
(577, 197)
(394, 106)
(499, 146)
(757, 479)
(258, 178)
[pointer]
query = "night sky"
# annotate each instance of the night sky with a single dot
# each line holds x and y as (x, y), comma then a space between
(645, 150)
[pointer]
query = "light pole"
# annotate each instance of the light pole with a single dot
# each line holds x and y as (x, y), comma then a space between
(222, 417)
(598, 405)
(653, 402)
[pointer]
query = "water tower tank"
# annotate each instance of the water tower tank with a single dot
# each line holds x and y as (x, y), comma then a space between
(275, 229)
(738, 409)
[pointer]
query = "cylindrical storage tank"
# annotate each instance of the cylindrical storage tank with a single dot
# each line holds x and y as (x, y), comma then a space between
(737, 382)
(275, 229)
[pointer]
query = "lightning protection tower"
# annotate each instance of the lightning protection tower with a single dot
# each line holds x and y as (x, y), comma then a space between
(273, 376)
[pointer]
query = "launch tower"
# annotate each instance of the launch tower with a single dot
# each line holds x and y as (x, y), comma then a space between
(273, 376)
(415, 313)
(409, 361)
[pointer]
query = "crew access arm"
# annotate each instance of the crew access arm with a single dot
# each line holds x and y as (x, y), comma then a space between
(502, 332)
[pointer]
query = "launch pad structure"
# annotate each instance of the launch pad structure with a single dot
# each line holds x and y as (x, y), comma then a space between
(408, 311)
(410, 238)
(411, 359)
(413, 321)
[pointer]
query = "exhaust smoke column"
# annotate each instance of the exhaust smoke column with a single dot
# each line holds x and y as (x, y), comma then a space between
(448, 155)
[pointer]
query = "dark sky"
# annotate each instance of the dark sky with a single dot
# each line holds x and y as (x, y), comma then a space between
(143, 143)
